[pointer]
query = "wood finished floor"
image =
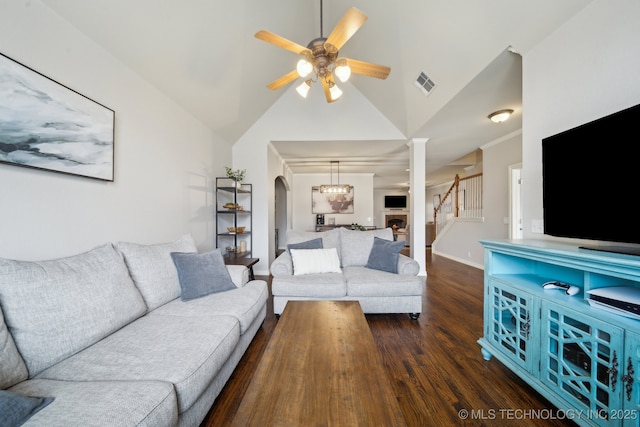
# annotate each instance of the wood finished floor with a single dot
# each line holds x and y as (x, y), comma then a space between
(434, 364)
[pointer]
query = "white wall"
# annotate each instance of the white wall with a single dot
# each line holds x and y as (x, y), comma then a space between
(164, 158)
(459, 239)
(304, 220)
(588, 68)
(495, 182)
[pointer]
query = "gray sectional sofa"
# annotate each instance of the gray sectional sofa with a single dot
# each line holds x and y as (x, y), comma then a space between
(107, 335)
(378, 291)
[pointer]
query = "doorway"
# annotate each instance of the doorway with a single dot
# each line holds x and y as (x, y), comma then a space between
(281, 214)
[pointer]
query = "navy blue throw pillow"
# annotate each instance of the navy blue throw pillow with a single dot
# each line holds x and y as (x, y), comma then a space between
(309, 244)
(201, 274)
(16, 409)
(384, 255)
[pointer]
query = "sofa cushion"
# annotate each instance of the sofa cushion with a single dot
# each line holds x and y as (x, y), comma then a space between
(12, 367)
(56, 308)
(282, 265)
(355, 245)
(152, 269)
(16, 408)
(187, 351)
(365, 282)
(103, 403)
(309, 244)
(384, 255)
(239, 274)
(407, 265)
(325, 285)
(201, 274)
(330, 239)
(244, 304)
(310, 261)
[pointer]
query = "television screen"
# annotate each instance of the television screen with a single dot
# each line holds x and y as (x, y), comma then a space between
(395, 202)
(589, 177)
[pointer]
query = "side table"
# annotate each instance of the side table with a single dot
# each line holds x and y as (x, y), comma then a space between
(247, 262)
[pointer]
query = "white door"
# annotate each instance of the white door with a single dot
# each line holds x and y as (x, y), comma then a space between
(515, 201)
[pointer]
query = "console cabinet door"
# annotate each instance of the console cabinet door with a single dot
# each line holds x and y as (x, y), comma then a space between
(508, 322)
(630, 370)
(582, 361)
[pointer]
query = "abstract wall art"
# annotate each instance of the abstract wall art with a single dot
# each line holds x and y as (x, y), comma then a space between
(327, 203)
(46, 125)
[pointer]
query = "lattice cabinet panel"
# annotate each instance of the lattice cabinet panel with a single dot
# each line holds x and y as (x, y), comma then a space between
(582, 357)
(509, 327)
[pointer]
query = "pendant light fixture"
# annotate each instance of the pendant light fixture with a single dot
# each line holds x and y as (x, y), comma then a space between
(335, 188)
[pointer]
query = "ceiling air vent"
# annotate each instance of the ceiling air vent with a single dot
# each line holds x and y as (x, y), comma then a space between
(424, 83)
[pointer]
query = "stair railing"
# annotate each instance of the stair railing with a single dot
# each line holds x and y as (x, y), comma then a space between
(462, 199)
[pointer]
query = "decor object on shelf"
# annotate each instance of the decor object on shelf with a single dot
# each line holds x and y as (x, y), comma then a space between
(500, 116)
(232, 206)
(46, 125)
(236, 175)
(356, 226)
(337, 188)
(321, 57)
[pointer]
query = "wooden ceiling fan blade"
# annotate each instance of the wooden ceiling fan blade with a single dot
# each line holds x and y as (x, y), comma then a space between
(368, 69)
(279, 41)
(350, 22)
(284, 80)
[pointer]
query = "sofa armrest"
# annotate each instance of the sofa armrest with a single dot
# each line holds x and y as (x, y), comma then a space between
(282, 266)
(407, 265)
(239, 274)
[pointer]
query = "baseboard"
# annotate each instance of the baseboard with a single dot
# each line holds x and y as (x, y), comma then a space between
(460, 260)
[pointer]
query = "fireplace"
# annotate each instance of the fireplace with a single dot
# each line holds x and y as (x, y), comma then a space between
(395, 221)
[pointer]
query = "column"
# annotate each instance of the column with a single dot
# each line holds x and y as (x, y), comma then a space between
(417, 212)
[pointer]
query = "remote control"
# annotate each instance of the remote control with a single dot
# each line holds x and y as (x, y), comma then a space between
(568, 289)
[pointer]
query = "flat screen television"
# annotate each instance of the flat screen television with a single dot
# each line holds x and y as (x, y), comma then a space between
(395, 202)
(589, 178)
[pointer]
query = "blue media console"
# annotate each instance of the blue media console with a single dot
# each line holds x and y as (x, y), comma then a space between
(582, 358)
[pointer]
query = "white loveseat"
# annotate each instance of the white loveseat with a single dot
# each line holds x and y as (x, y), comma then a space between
(107, 335)
(377, 291)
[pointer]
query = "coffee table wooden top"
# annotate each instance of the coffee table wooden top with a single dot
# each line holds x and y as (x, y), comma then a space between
(320, 368)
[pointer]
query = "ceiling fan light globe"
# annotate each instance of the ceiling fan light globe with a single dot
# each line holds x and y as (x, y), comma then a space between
(335, 92)
(304, 67)
(303, 89)
(342, 72)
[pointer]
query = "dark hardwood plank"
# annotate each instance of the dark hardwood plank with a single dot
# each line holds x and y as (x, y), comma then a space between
(321, 367)
(434, 364)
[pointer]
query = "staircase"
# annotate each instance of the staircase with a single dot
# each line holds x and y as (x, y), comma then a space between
(462, 200)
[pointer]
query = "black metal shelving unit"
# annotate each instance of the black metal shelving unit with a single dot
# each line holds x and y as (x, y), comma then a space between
(229, 191)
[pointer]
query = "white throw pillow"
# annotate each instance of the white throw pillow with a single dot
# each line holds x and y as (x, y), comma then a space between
(309, 261)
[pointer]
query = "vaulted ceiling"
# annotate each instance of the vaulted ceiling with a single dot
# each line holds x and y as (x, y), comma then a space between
(203, 55)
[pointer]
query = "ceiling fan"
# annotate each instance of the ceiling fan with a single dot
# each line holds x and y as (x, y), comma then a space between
(321, 57)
